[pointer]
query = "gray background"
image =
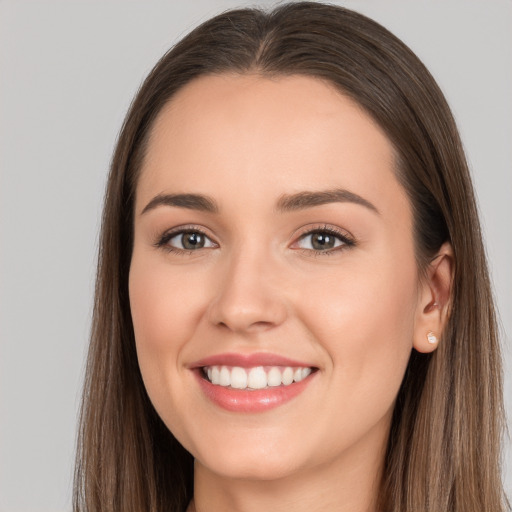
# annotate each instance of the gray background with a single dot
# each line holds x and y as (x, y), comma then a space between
(68, 71)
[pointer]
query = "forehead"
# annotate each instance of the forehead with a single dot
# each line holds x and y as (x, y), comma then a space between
(261, 137)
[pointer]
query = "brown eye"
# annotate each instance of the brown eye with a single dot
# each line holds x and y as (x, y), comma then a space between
(188, 241)
(323, 241)
(191, 241)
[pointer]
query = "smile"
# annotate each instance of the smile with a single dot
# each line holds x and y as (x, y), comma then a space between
(251, 383)
(258, 377)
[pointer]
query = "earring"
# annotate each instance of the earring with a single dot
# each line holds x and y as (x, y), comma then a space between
(432, 338)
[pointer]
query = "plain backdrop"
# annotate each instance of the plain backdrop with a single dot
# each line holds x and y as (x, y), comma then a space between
(68, 71)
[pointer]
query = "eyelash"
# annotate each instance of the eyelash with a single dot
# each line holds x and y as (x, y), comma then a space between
(163, 241)
(347, 241)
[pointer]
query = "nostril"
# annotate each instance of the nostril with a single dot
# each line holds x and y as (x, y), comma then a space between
(258, 326)
(247, 304)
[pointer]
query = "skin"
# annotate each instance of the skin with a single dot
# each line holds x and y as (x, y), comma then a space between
(354, 312)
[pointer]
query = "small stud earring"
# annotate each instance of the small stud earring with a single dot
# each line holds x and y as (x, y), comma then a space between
(432, 338)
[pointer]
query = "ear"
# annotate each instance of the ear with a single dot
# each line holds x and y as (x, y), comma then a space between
(434, 300)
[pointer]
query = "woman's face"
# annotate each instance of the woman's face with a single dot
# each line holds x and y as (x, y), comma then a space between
(274, 256)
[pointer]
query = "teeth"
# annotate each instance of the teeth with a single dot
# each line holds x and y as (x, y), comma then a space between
(287, 377)
(258, 377)
(305, 372)
(274, 377)
(224, 377)
(238, 378)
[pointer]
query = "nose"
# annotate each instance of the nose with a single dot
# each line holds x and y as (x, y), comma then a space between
(250, 296)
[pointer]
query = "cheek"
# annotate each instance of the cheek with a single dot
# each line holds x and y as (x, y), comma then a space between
(152, 308)
(164, 315)
(364, 317)
(364, 324)
(166, 309)
(165, 305)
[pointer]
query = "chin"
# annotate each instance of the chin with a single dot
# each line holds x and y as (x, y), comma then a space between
(252, 460)
(246, 467)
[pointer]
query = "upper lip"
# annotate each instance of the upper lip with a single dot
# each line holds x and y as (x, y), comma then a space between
(248, 360)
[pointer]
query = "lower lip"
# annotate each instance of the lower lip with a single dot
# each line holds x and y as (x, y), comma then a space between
(259, 400)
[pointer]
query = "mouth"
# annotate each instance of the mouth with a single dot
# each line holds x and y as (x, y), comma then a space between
(257, 377)
(252, 383)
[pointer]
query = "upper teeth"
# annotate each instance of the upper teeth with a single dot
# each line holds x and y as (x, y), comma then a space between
(258, 377)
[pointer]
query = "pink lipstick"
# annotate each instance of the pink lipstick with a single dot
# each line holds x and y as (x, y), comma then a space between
(252, 382)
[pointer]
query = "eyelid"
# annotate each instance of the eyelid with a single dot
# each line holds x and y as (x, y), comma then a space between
(347, 239)
(163, 239)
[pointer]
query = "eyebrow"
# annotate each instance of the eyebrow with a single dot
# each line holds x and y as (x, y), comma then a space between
(191, 201)
(303, 200)
(286, 203)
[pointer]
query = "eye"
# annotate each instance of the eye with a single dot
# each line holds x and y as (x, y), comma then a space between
(323, 240)
(186, 240)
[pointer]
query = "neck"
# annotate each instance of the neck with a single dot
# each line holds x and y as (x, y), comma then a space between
(348, 484)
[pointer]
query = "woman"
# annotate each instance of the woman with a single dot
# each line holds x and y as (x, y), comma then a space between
(292, 308)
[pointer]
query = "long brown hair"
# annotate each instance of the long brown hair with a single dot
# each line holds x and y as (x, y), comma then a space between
(444, 448)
